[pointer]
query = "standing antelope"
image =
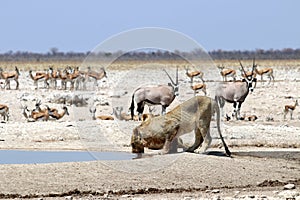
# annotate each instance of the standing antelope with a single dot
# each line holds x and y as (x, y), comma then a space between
(227, 73)
(193, 74)
(290, 109)
(4, 111)
(40, 76)
(265, 71)
(155, 95)
(247, 73)
(235, 92)
(198, 87)
(72, 76)
(8, 76)
(96, 75)
(54, 75)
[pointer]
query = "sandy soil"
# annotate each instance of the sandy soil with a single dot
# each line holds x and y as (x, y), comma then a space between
(266, 153)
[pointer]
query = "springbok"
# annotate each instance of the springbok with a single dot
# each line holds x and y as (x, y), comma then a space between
(193, 74)
(8, 76)
(265, 71)
(4, 111)
(101, 117)
(198, 87)
(248, 73)
(117, 111)
(40, 115)
(96, 75)
(39, 76)
(250, 118)
(53, 112)
(290, 109)
(155, 95)
(54, 75)
(227, 73)
(235, 92)
(72, 76)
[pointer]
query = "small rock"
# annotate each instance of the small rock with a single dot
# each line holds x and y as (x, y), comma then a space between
(69, 198)
(251, 196)
(215, 191)
(289, 187)
(288, 194)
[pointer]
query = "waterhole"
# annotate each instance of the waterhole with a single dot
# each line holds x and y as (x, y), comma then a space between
(33, 157)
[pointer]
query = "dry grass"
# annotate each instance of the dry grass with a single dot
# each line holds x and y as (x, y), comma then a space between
(125, 65)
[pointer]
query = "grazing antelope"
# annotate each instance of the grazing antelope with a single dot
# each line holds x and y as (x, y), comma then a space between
(235, 92)
(40, 76)
(290, 109)
(198, 87)
(265, 71)
(8, 76)
(4, 111)
(96, 75)
(101, 117)
(155, 95)
(193, 74)
(227, 73)
(53, 112)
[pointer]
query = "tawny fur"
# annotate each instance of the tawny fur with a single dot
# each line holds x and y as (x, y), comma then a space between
(193, 74)
(197, 87)
(8, 76)
(40, 76)
(163, 132)
(265, 72)
(227, 73)
(290, 109)
(4, 111)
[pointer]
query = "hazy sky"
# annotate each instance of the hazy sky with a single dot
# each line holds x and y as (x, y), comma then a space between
(71, 25)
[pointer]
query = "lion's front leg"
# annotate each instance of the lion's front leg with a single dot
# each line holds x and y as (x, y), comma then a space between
(170, 145)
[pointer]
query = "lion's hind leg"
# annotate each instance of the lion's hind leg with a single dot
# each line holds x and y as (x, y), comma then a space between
(207, 141)
(198, 141)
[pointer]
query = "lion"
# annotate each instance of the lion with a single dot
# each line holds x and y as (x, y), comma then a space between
(163, 132)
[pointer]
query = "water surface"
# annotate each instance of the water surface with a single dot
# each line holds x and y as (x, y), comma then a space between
(31, 157)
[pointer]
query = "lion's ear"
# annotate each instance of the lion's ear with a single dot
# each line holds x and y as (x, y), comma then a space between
(145, 117)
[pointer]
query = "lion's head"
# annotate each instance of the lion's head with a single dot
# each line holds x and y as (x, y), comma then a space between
(136, 142)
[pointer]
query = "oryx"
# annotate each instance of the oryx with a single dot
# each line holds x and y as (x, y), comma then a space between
(235, 92)
(155, 95)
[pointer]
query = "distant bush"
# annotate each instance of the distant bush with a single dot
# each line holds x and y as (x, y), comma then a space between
(55, 55)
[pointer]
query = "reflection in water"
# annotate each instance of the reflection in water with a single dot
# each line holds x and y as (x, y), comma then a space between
(31, 157)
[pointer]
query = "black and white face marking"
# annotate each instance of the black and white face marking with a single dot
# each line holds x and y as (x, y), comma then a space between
(249, 80)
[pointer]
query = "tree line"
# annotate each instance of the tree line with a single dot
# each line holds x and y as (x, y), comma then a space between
(55, 55)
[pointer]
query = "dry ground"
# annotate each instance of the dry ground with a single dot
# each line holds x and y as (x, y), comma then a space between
(254, 171)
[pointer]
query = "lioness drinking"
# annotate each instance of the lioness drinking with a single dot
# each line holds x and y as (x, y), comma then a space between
(192, 115)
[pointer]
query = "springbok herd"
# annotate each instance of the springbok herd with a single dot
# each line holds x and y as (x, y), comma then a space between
(232, 90)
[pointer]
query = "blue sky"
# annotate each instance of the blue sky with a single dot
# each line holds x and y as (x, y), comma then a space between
(37, 26)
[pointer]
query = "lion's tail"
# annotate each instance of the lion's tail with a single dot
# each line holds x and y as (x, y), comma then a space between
(132, 107)
(217, 110)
